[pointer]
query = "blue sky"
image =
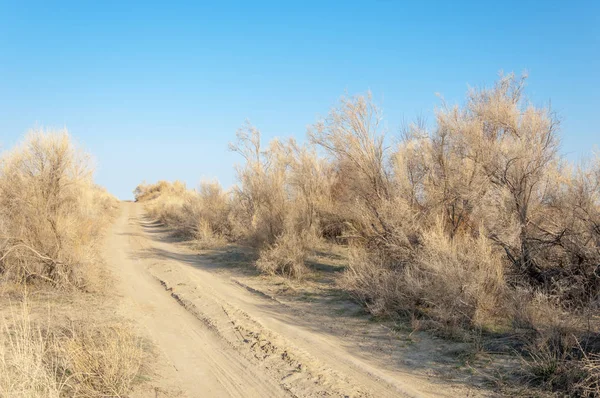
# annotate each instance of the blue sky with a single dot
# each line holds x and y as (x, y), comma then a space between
(157, 90)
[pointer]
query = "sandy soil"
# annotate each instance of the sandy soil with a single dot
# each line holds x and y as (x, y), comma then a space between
(219, 336)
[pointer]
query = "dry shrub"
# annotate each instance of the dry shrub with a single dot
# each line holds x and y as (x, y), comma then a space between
(551, 355)
(471, 223)
(260, 200)
(51, 213)
(459, 281)
(309, 184)
(212, 215)
(52, 217)
(169, 203)
(354, 138)
(145, 192)
(372, 282)
(558, 347)
(489, 170)
(283, 204)
(284, 257)
(201, 215)
(206, 237)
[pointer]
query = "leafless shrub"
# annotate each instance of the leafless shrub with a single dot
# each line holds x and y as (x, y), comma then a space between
(51, 213)
(353, 136)
(260, 204)
(172, 204)
(470, 224)
(459, 281)
(552, 354)
(202, 215)
(213, 214)
(206, 237)
(284, 257)
(374, 283)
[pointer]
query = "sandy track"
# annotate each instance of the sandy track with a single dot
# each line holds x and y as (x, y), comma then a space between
(220, 339)
(204, 365)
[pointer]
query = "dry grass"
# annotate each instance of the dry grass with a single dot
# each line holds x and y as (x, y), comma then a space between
(101, 361)
(37, 360)
(26, 367)
(589, 383)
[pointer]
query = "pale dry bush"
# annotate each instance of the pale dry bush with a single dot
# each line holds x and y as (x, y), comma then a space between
(354, 138)
(488, 169)
(283, 204)
(459, 281)
(378, 219)
(260, 200)
(551, 354)
(145, 192)
(515, 145)
(589, 384)
(286, 256)
(52, 217)
(164, 201)
(51, 213)
(212, 215)
(310, 182)
(206, 237)
(474, 224)
(375, 284)
(201, 215)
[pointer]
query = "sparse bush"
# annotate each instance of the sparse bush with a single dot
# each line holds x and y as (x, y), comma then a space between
(284, 257)
(212, 215)
(170, 203)
(260, 200)
(51, 213)
(459, 281)
(206, 237)
(374, 283)
(589, 384)
(201, 215)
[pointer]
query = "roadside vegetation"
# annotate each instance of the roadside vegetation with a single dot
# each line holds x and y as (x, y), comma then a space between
(476, 226)
(52, 218)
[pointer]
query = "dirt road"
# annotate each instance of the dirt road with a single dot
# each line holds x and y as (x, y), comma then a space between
(218, 338)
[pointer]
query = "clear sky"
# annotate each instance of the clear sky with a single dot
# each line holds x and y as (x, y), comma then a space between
(157, 90)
